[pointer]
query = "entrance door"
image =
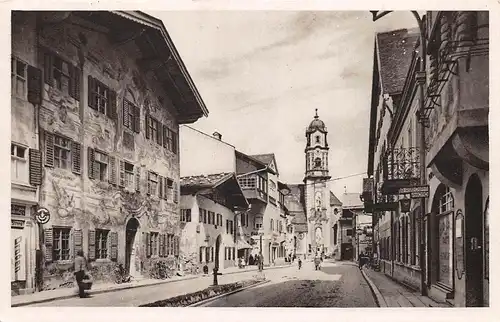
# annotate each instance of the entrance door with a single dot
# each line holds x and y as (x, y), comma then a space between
(474, 242)
(130, 247)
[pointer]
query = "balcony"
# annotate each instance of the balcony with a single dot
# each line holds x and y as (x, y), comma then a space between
(401, 169)
(254, 188)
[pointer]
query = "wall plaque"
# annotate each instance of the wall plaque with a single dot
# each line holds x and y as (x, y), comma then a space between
(459, 244)
(17, 210)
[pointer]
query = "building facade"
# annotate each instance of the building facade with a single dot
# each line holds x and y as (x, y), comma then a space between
(453, 222)
(107, 113)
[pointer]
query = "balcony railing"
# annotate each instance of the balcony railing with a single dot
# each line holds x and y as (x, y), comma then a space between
(254, 187)
(402, 164)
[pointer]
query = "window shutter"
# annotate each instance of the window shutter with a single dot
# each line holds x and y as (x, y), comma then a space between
(176, 192)
(174, 142)
(149, 183)
(114, 245)
(165, 241)
(48, 61)
(112, 173)
(34, 85)
(111, 112)
(160, 183)
(76, 157)
(90, 90)
(77, 241)
(165, 189)
(75, 82)
(122, 174)
(48, 241)
(159, 135)
(137, 178)
(35, 167)
(148, 244)
(148, 130)
(49, 149)
(137, 119)
(91, 244)
(126, 116)
(165, 139)
(177, 245)
(161, 248)
(90, 163)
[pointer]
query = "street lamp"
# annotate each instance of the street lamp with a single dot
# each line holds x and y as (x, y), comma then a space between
(261, 258)
(421, 79)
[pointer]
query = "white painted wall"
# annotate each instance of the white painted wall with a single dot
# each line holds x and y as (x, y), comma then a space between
(202, 153)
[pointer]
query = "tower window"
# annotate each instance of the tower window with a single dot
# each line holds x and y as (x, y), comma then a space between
(317, 139)
(317, 163)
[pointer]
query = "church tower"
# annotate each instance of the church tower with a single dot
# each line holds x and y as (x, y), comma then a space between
(317, 193)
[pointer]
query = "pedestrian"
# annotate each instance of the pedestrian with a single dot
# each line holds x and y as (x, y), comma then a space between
(80, 268)
(300, 263)
(361, 260)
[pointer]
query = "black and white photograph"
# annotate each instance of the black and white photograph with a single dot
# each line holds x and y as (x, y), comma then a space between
(249, 158)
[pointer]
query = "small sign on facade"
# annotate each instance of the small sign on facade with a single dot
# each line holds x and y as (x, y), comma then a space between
(415, 189)
(42, 216)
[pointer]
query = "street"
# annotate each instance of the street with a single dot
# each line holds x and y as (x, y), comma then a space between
(336, 285)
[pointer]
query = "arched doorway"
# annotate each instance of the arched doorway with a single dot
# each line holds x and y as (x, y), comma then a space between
(474, 242)
(130, 249)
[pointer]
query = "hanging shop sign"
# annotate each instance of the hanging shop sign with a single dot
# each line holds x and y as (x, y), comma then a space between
(405, 205)
(415, 192)
(42, 215)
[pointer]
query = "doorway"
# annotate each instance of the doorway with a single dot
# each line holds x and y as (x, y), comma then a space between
(474, 242)
(130, 247)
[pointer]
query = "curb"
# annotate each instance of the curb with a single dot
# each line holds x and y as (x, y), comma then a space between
(129, 286)
(379, 299)
(197, 304)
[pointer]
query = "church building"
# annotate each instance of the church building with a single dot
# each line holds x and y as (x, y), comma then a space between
(321, 207)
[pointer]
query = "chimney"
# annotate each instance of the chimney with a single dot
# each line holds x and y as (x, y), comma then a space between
(217, 135)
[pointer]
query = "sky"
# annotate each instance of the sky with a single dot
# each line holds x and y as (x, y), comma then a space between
(262, 74)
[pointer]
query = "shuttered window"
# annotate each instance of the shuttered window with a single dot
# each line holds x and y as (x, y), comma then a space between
(35, 167)
(114, 246)
(61, 243)
(61, 74)
(91, 244)
(101, 236)
(77, 241)
(101, 98)
(131, 116)
(62, 152)
(170, 139)
(19, 76)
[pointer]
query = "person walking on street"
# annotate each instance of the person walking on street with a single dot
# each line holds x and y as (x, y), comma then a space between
(80, 268)
(300, 263)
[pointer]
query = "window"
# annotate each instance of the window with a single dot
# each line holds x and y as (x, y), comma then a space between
(61, 243)
(186, 215)
(247, 182)
(258, 222)
(348, 232)
(272, 224)
(243, 219)
(101, 238)
(62, 150)
(219, 220)
(101, 165)
(131, 116)
(129, 175)
(272, 185)
(170, 188)
(19, 73)
(170, 139)
(152, 183)
(317, 163)
(18, 162)
(100, 94)
(317, 139)
(200, 215)
(211, 217)
(154, 239)
(202, 251)
(205, 219)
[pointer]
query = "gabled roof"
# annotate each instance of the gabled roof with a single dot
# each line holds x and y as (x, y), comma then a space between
(158, 55)
(352, 201)
(334, 201)
(394, 50)
(268, 159)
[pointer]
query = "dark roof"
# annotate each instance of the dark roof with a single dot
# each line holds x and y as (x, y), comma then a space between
(316, 125)
(394, 50)
(204, 181)
(334, 201)
(264, 158)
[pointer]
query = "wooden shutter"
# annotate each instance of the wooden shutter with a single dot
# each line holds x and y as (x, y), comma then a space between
(148, 244)
(114, 245)
(137, 119)
(91, 244)
(34, 85)
(148, 130)
(165, 241)
(160, 184)
(159, 135)
(176, 192)
(35, 167)
(76, 157)
(165, 138)
(111, 112)
(126, 115)
(90, 162)
(112, 173)
(48, 61)
(90, 90)
(77, 241)
(177, 246)
(149, 183)
(48, 235)
(122, 174)
(174, 141)
(49, 149)
(138, 178)
(161, 249)
(74, 82)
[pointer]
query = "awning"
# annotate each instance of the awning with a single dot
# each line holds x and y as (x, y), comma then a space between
(241, 244)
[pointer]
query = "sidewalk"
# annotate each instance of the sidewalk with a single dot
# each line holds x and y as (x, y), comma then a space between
(65, 293)
(390, 293)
